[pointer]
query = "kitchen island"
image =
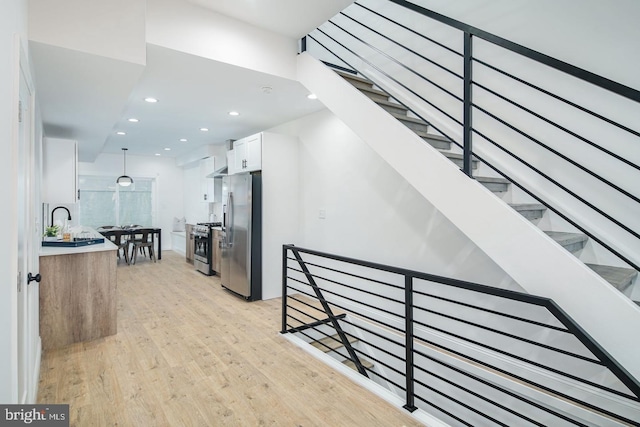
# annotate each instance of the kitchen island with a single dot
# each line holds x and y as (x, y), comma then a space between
(77, 293)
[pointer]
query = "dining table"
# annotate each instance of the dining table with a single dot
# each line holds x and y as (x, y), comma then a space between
(132, 231)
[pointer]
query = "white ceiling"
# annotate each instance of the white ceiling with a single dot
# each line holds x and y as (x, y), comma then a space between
(292, 18)
(90, 98)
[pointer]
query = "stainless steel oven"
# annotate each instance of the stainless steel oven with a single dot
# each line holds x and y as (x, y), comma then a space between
(203, 247)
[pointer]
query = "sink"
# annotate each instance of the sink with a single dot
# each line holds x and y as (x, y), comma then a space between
(78, 241)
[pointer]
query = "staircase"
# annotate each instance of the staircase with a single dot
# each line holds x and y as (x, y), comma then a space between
(619, 277)
(332, 344)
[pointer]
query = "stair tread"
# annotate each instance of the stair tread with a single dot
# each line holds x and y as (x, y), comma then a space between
(367, 364)
(350, 76)
(619, 277)
(391, 104)
(406, 118)
(430, 135)
(333, 342)
(566, 238)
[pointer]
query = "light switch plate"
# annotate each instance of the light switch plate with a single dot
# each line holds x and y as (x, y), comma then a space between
(322, 214)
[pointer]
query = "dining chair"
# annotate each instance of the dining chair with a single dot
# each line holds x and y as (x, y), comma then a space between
(143, 241)
(119, 238)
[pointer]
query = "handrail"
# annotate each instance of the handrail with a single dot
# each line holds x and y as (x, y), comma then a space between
(469, 106)
(408, 336)
(550, 61)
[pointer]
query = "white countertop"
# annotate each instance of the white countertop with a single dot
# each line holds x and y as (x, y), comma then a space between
(99, 247)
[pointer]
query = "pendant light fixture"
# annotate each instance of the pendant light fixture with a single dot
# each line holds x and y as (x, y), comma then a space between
(124, 180)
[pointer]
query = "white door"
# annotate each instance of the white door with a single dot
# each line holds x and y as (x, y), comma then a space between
(28, 238)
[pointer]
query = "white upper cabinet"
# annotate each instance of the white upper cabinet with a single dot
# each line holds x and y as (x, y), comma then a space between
(231, 162)
(207, 189)
(248, 154)
(60, 171)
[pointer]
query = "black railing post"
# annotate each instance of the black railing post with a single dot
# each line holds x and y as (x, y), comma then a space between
(408, 319)
(284, 290)
(467, 105)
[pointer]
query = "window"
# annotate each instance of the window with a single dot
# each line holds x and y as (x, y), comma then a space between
(103, 202)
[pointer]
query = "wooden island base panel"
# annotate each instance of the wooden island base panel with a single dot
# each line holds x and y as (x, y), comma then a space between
(77, 298)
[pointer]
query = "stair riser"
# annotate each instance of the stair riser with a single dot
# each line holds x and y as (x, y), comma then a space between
(532, 214)
(459, 163)
(436, 143)
(495, 187)
(574, 247)
(394, 109)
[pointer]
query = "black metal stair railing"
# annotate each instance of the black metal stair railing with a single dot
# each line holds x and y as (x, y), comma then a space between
(469, 367)
(346, 31)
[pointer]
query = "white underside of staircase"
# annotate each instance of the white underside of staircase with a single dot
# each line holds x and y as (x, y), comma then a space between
(541, 267)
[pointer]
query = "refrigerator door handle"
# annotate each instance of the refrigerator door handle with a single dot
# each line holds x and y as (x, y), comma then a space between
(230, 213)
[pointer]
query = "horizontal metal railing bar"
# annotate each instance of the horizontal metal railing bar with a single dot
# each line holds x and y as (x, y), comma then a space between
(559, 98)
(596, 349)
(557, 153)
(335, 282)
(351, 274)
(429, 60)
(359, 351)
(396, 81)
(547, 60)
(491, 384)
(411, 70)
(440, 130)
(510, 335)
(359, 302)
(349, 309)
(558, 126)
(410, 30)
(498, 313)
(316, 319)
(523, 359)
(378, 335)
(313, 324)
(475, 287)
(349, 286)
(481, 397)
(340, 68)
(562, 187)
(520, 378)
(459, 402)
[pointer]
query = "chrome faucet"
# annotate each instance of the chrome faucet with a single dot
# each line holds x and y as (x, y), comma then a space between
(60, 207)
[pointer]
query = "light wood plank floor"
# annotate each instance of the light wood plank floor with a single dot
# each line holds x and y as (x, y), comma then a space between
(188, 353)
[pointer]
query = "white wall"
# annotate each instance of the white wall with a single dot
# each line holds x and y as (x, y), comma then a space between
(371, 212)
(169, 182)
(13, 20)
(188, 28)
(114, 29)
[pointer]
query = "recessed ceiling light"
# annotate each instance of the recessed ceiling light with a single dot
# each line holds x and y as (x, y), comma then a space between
(133, 120)
(121, 133)
(183, 139)
(150, 99)
(157, 154)
(204, 129)
(167, 149)
(312, 96)
(234, 113)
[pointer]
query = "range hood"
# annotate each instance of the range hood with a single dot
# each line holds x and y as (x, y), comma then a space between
(218, 172)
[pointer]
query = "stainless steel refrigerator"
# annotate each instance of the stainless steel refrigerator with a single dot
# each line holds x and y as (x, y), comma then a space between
(242, 238)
